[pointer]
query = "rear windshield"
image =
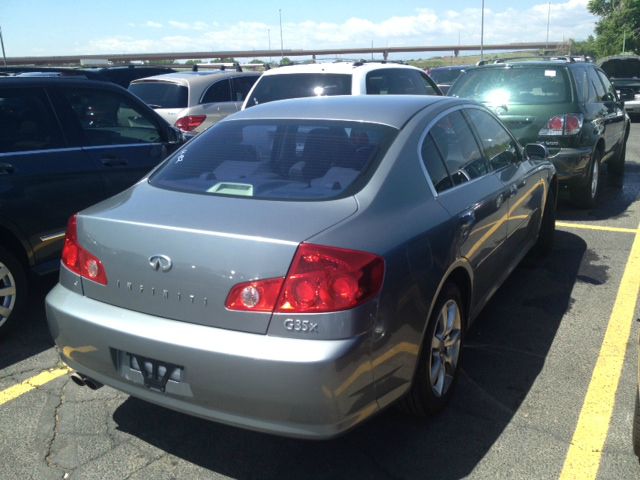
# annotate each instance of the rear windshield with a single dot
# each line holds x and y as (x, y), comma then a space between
(295, 85)
(277, 159)
(514, 85)
(161, 94)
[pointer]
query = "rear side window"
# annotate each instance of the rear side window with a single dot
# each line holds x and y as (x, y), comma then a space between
(398, 81)
(218, 92)
(281, 159)
(582, 84)
(597, 85)
(107, 118)
(534, 85)
(26, 121)
(296, 85)
(433, 162)
(459, 150)
(161, 94)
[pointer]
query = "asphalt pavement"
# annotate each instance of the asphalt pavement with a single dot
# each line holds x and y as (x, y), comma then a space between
(528, 364)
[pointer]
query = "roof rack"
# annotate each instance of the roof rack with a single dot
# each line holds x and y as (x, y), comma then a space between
(554, 58)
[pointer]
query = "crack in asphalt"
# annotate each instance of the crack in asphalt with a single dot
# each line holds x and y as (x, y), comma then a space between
(150, 462)
(56, 424)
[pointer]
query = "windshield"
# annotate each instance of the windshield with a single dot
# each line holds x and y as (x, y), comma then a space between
(531, 85)
(279, 159)
(294, 85)
(445, 75)
(161, 94)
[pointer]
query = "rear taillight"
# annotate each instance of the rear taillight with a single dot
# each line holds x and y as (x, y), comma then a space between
(79, 260)
(561, 125)
(320, 279)
(190, 122)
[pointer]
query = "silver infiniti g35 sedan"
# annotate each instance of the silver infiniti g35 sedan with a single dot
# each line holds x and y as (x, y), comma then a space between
(305, 263)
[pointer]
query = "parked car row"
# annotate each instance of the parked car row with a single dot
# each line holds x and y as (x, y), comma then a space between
(243, 278)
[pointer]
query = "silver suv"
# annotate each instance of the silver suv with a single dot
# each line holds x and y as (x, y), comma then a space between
(193, 101)
(342, 78)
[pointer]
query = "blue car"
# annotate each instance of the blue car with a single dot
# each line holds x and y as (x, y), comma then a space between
(303, 264)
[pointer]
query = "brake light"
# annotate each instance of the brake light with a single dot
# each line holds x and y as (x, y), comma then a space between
(190, 122)
(79, 260)
(320, 279)
(562, 125)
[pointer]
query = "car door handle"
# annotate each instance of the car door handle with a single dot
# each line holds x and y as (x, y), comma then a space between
(113, 162)
(6, 168)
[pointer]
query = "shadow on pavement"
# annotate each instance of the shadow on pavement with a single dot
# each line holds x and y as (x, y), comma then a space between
(504, 353)
(31, 335)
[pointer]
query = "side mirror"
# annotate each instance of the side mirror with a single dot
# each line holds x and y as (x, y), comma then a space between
(175, 136)
(536, 151)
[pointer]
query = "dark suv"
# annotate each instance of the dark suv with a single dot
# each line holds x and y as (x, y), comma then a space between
(571, 107)
(65, 144)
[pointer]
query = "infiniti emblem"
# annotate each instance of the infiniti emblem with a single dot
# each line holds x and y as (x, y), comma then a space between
(160, 262)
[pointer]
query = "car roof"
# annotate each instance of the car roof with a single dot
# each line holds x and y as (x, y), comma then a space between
(52, 81)
(392, 110)
(197, 79)
(335, 67)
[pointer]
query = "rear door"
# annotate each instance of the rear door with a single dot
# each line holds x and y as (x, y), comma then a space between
(115, 132)
(43, 178)
(615, 122)
(216, 103)
(471, 192)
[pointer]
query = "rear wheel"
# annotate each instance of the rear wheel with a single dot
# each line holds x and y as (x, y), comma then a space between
(439, 361)
(636, 427)
(547, 225)
(585, 196)
(616, 164)
(13, 289)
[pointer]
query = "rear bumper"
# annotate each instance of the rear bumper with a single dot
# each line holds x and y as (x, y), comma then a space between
(632, 107)
(572, 164)
(299, 388)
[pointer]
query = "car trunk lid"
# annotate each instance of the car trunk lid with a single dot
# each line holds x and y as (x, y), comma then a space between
(177, 255)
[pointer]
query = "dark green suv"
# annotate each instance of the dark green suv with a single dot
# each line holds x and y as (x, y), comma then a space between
(571, 107)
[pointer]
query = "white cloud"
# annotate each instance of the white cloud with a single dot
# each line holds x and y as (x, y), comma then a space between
(568, 19)
(152, 24)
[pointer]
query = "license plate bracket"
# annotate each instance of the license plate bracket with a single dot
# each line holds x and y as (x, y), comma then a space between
(155, 373)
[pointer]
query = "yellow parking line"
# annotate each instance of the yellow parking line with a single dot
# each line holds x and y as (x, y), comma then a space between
(32, 383)
(583, 457)
(582, 226)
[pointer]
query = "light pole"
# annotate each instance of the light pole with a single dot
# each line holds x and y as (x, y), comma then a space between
(546, 45)
(281, 44)
(482, 33)
(269, 37)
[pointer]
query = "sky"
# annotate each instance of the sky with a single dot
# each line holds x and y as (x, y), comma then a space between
(76, 27)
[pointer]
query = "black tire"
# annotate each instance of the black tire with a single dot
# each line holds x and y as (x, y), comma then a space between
(547, 232)
(13, 290)
(616, 164)
(424, 399)
(586, 195)
(636, 427)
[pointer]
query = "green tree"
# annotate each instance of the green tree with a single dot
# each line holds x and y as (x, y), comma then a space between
(618, 28)
(286, 61)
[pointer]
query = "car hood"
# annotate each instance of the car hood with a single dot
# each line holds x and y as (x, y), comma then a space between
(617, 68)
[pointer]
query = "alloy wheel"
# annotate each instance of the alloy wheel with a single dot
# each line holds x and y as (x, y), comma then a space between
(7, 293)
(595, 174)
(445, 348)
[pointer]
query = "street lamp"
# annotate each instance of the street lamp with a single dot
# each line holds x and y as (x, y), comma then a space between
(482, 33)
(281, 44)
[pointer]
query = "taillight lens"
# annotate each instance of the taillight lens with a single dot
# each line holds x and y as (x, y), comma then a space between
(79, 260)
(320, 279)
(562, 125)
(190, 122)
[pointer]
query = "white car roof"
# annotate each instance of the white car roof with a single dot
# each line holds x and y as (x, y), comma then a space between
(337, 67)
